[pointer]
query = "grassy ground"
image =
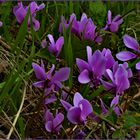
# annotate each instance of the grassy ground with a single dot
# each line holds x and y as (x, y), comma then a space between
(21, 108)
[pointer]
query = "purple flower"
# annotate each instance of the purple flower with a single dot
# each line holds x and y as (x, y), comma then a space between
(20, 12)
(53, 124)
(114, 105)
(109, 58)
(130, 43)
(44, 43)
(78, 113)
(49, 81)
(55, 47)
(84, 29)
(1, 24)
(119, 77)
(113, 24)
(92, 70)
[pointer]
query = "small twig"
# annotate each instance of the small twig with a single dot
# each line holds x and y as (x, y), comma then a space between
(17, 115)
(11, 124)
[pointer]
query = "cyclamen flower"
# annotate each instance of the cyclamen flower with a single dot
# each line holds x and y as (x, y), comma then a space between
(20, 12)
(113, 24)
(84, 29)
(119, 77)
(109, 58)
(1, 24)
(44, 43)
(49, 81)
(78, 113)
(53, 124)
(55, 47)
(114, 105)
(93, 70)
(130, 43)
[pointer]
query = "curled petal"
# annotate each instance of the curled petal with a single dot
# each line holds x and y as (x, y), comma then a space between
(125, 56)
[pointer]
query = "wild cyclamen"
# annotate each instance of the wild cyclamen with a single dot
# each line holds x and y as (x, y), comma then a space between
(113, 105)
(112, 25)
(20, 12)
(84, 29)
(50, 81)
(130, 43)
(78, 113)
(119, 76)
(92, 71)
(1, 23)
(53, 124)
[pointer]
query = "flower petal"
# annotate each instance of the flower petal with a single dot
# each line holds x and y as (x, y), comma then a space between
(84, 77)
(131, 42)
(49, 126)
(48, 116)
(115, 101)
(77, 99)
(57, 121)
(109, 16)
(81, 64)
(50, 99)
(51, 39)
(99, 63)
(114, 27)
(62, 74)
(107, 85)
(74, 115)
(138, 66)
(66, 105)
(59, 44)
(36, 24)
(39, 72)
(121, 80)
(110, 74)
(125, 55)
(39, 84)
(104, 110)
(89, 55)
(86, 108)
(44, 43)
(49, 73)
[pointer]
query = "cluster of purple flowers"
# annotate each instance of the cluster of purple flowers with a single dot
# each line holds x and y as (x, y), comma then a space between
(99, 69)
(20, 12)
